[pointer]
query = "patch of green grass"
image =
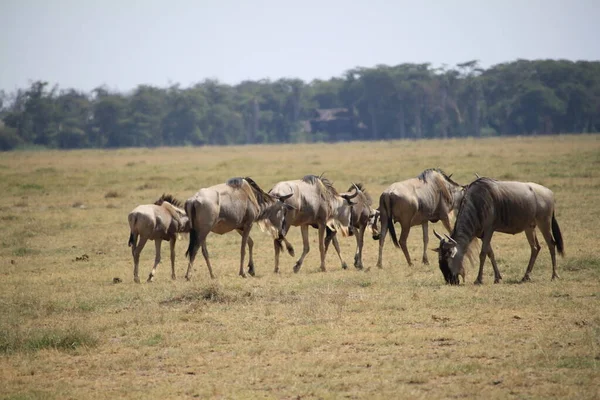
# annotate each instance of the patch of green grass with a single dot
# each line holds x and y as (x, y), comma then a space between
(578, 362)
(31, 186)
(154, 340)
(46, 170)
(25, 251)
(11, 340)
(32, 395)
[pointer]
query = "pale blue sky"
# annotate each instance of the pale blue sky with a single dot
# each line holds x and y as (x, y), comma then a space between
(123, 43)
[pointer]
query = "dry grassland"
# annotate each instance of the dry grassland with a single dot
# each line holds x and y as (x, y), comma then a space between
(68, 331)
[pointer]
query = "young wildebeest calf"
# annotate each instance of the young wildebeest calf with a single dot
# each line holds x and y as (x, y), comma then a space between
(428, 198)
(160, 221)
(361, 217)
(499, 206)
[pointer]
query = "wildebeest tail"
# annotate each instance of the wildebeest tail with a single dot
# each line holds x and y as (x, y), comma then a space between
(190, 210)
(385, 205)
(132, 220)
(557, 237)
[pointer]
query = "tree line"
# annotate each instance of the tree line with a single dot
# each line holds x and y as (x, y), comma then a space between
(384, 102)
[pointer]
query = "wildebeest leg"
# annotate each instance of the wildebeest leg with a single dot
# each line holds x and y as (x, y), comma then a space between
(245, 234)
(322, 246)
(157, 244)
(205, 254)
(277, 247)
(382, 235)
(547, 233)
(403, 238)
(172, 246)
(136, 250)
(485, 249)
(360, 236)
(200, 241)
(305, 247)
(332, 237)
(535, 249)
(425, 226)
(497, 275)
(446, 222)
(289, 247)
(250, 252)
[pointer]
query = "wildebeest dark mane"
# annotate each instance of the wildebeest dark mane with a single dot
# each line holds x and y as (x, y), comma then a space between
(262, 197)
(313, 180)
(476, 205)
(362, 189)
(426, 173)
(169, 199)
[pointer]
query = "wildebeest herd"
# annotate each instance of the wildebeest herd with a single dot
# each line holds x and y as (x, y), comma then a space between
(482, 207)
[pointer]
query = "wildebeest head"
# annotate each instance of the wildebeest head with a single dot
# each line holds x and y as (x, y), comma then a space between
(373, 224)
(275, 219)
(451, 262)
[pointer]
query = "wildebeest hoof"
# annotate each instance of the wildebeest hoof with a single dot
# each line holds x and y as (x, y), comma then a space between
(526, 279)
(425, 261)
(136, 279)
(376, 237)
(173, 277)
(243, 275)
(344, 265)
(188, 278)
(358, 265)
(297, 267)
(150, 278)
(555, 276)
(478, 282)
(251, 272)
(498, 280)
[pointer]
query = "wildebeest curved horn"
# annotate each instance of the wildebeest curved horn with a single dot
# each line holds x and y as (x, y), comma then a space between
(285, 197)
(477, 175)
(356, 187)
(450, 176)
(437, 235)
(350, 196)
(450, 239)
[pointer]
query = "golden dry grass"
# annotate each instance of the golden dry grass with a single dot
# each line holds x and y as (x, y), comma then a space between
(67, 331)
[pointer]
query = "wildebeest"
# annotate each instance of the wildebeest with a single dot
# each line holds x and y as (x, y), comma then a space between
(160, 221)
(492, 206)
(361, 215)
(316, 203)
(236, 204)
(430, 197)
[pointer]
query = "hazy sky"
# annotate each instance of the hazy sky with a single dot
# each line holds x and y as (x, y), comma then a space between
(123, 43)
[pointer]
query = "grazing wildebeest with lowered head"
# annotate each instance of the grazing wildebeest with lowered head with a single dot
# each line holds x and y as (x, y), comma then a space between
(430, 197)
(492, 206)
(316, 203)
(236, 204)
(361, 215)
(160, 221)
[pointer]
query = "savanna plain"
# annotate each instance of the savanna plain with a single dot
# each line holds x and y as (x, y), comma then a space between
(67, 330)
